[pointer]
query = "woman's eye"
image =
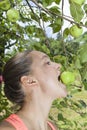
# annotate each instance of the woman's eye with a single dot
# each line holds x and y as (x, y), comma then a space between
(49, 62)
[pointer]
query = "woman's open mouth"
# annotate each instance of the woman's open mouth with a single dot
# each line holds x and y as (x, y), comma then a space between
(61, 83)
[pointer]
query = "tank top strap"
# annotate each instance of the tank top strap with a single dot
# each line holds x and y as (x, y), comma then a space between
(51, 125)
(16, 122)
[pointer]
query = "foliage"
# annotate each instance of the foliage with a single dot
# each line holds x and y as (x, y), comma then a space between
(31, 30)
(5, 105)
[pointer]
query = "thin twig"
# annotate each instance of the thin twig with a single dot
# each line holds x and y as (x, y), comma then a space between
(62, 14)
(38, 19)
(31, 9)
(54, 14)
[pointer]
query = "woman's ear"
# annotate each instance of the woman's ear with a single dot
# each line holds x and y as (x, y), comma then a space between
(24, 80)
(28, 81)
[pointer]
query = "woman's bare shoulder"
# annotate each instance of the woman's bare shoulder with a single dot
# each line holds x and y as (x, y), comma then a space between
(6, 126)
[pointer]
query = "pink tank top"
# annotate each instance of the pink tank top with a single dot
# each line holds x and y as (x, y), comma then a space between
(18, 123)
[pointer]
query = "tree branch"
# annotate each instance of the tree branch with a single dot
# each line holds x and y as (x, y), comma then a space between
(38, 19)
(62, 6)
(31, 9)
(54, 14)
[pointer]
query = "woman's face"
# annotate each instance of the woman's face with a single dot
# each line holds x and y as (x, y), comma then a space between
(47, 72)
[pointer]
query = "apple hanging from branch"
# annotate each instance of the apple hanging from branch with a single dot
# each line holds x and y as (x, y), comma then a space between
(13, 15)
(5, 4)
(76, 31)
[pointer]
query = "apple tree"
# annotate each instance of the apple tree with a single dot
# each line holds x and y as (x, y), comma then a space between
(43, 25)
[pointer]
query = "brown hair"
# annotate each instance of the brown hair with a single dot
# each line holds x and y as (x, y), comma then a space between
(14, 69)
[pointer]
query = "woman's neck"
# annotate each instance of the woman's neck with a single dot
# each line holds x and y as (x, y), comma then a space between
(35, 113)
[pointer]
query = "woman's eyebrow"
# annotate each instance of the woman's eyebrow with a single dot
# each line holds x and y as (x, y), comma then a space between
(44, 56)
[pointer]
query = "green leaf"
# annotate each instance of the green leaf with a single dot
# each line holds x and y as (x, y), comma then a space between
(85, 8)
(59, 59)
(83, 53)
(77, 63)
(47, 2)
(57, 1)
(86, 23)
(82, 103)
(60, 117)
(76, 12)
(55, 9)
(83, 57)
(56, 28)
(85, 84)
(66, 32)
(30, 29)
(85, 76)
(44, 17)
(56, 25)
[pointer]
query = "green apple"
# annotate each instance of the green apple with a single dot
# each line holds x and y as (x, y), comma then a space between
(67, 77)
(5, 4)
(13, 15)
(80, 2)
(76, 31)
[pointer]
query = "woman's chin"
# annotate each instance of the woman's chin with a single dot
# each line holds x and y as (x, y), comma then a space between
(64, 90)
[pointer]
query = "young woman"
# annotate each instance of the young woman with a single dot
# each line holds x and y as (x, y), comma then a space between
(31, 81)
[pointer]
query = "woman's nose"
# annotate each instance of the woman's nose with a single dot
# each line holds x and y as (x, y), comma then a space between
(57, 66)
